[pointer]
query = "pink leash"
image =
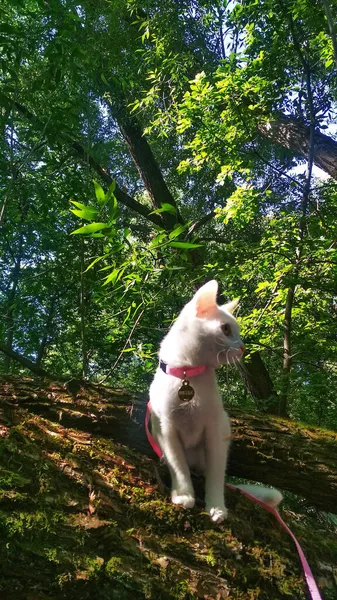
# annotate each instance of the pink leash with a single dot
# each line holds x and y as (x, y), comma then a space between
(150, 437)
(311, 583)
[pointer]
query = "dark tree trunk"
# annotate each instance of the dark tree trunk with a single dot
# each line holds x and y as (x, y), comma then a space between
(46, 336)
(9, 315)
(147, 166)
(287, 358)
(266, 449)
(257, 381)
(25, 362)
(82, 314)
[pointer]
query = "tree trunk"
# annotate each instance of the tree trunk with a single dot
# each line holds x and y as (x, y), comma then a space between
(9, 314)
(147, 166)
(257, 381)
(139, 544)
(272, 451)
(82, 314)
(25, 362)
(46, 336)
(295, 136)
(287, 358)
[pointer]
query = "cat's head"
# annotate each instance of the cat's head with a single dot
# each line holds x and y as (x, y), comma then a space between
(204, 332)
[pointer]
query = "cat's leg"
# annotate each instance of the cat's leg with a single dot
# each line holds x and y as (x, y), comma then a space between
(217, 437)
(182, 489)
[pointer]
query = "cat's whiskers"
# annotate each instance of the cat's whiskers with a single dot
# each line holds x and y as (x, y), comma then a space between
(234, 357)
(218, 354)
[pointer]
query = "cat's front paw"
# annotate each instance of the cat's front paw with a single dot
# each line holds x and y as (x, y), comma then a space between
(185, 500)
(217, 513)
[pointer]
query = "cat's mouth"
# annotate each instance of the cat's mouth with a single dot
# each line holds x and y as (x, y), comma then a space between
(230, 356)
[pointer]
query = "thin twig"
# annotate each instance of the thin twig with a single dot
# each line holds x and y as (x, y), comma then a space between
(122, 351)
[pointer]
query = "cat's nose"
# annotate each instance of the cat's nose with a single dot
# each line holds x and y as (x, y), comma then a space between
(243, 348)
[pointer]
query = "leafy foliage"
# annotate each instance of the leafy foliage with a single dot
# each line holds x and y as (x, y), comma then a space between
(135, 164)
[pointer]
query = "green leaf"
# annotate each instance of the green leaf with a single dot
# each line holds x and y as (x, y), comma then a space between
(91, 228)
(87, 213)
(112, 187)
(177, 231)
(100, 195)
(114, 276)
(165, 207)
(184, 245)
(158, 240)
(96, 260)
(112, 206)
(79, 204)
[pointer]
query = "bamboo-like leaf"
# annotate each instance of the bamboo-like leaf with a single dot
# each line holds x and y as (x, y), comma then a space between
(91, 228)
(87, 213)
(165, 207)
(96, 260)
(184, 245)
(177, 231)
(100, 195)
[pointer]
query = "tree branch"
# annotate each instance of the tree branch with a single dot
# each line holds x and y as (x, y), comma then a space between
(25, 362)
(195, 226)
(121, 196)
(145, 162)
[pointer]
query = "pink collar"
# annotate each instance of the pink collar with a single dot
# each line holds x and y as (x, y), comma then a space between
(182, 372)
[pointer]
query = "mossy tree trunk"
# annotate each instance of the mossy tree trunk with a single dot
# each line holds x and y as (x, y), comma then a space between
(265, 449)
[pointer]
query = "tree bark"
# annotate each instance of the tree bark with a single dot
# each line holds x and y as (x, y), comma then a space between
(9, 315)
(146, 165)
(295, 136)
(82, 315)
(46, 336)
(287, 358)
(25, 362)
(257, 381)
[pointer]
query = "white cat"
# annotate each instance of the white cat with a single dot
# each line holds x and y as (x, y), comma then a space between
(195, 432)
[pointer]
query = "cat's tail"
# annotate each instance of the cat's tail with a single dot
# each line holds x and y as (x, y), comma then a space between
(270, 496)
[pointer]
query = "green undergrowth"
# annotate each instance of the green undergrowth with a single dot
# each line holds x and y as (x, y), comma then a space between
(83, 517)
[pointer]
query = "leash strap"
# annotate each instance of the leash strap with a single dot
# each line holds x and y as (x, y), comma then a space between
(150, 437)
(311, 583)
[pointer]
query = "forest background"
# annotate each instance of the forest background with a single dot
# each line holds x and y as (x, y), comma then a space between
(147, 147)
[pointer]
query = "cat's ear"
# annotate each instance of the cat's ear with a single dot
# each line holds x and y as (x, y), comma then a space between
(231, 306)
(205, 299)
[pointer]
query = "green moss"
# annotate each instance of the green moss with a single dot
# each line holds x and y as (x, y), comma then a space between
(83, 517)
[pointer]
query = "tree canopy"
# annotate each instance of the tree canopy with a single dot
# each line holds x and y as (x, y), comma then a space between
(146, 148)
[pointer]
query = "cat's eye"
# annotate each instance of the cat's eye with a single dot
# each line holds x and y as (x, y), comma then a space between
(226, 328)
